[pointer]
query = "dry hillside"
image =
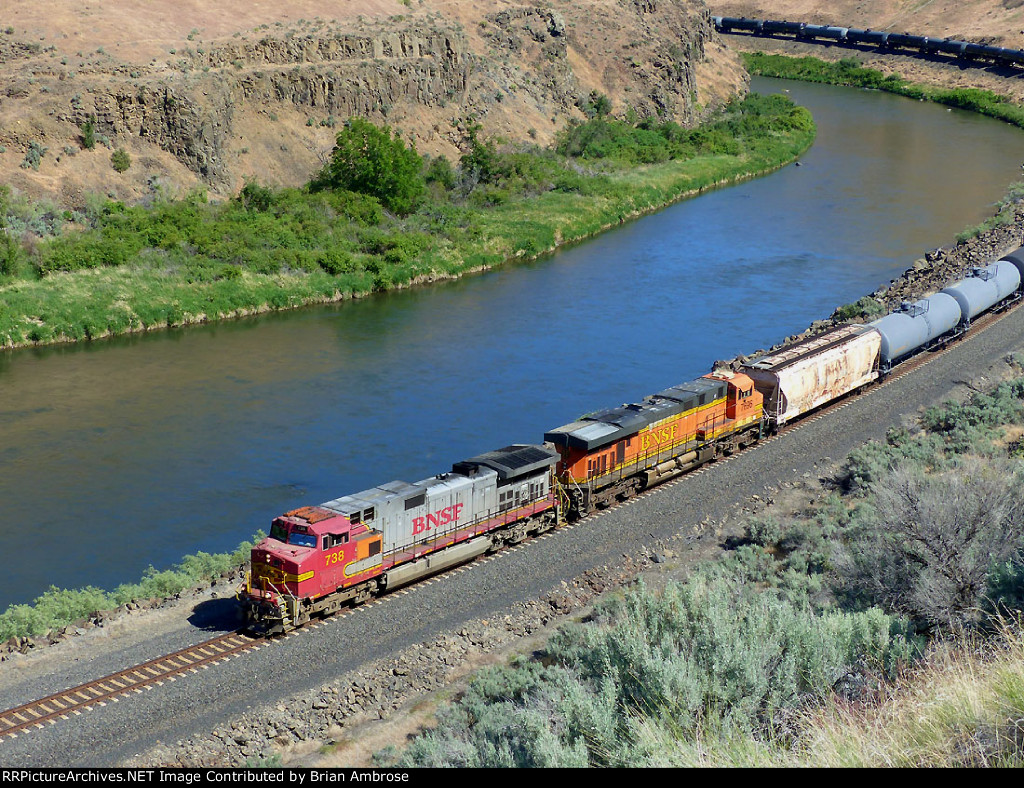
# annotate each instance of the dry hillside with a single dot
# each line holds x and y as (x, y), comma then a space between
(202, 92)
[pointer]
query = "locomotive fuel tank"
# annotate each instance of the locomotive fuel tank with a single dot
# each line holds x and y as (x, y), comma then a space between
(915, 325)
(984, 288)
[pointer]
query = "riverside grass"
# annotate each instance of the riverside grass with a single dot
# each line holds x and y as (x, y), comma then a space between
(58, 607)
(320, 248)
(851, 73)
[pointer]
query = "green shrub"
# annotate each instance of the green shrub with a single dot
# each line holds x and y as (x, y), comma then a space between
(13, 259)
(974, 425)
(709, 653)
(874, 460)
(934, 539)
(255, 197)
(439, 170)
(866, 307)
(88, 137)
(335, 261)
(597, 105)
(481, 162)
(33, 156)
(120, 160)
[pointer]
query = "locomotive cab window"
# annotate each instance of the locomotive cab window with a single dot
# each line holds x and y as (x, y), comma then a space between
(333, 540)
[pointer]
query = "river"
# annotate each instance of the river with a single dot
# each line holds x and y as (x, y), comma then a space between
(133, 451)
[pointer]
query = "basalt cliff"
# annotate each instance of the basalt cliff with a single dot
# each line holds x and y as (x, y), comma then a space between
(210, 94)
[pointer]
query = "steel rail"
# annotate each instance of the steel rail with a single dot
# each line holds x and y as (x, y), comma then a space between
(145, 676)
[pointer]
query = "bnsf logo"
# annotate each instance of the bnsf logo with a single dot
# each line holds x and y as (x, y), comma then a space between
(658, 437)
(449, 514)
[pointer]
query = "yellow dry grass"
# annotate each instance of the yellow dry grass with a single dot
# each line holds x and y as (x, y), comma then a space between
(965, 708)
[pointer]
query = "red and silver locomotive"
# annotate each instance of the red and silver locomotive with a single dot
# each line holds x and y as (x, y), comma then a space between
(349, 549)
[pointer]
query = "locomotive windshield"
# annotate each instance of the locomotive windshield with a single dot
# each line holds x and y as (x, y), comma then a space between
(280, 532)
(302, 540)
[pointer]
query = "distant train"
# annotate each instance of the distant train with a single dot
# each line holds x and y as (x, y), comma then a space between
(888, 42)
(346, 550)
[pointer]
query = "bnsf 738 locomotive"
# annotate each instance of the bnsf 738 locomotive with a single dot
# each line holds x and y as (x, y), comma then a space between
(318, 558)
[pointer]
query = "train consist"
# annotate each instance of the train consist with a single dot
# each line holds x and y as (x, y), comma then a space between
(346, 550)
(889, 42)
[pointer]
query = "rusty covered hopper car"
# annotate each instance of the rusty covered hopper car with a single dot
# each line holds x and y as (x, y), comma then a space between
(801, 377)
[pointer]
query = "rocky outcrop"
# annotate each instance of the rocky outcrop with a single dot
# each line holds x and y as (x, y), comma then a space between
(340, 76)
(522, 71)
(167, 117)
(424, 76)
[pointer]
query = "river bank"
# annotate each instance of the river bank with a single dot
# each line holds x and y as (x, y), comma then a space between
(187, 262)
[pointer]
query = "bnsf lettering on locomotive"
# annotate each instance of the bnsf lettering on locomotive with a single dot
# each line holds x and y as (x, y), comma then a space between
(658, 437)
(449, 514)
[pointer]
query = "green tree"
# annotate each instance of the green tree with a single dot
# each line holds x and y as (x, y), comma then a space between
(598, 105)
(12, 256)
(439, 170)
(255, 197)
(369, 160)
(482, 161)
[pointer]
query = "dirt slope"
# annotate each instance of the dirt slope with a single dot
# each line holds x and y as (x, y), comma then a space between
(202, 92)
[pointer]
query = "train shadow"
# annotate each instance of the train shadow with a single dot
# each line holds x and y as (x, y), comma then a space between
(216, 615)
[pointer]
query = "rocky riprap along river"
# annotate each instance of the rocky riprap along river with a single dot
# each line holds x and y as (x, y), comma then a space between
(928, 274)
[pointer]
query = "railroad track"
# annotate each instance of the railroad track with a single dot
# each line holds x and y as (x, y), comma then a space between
(75, 701)
(62, 705)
